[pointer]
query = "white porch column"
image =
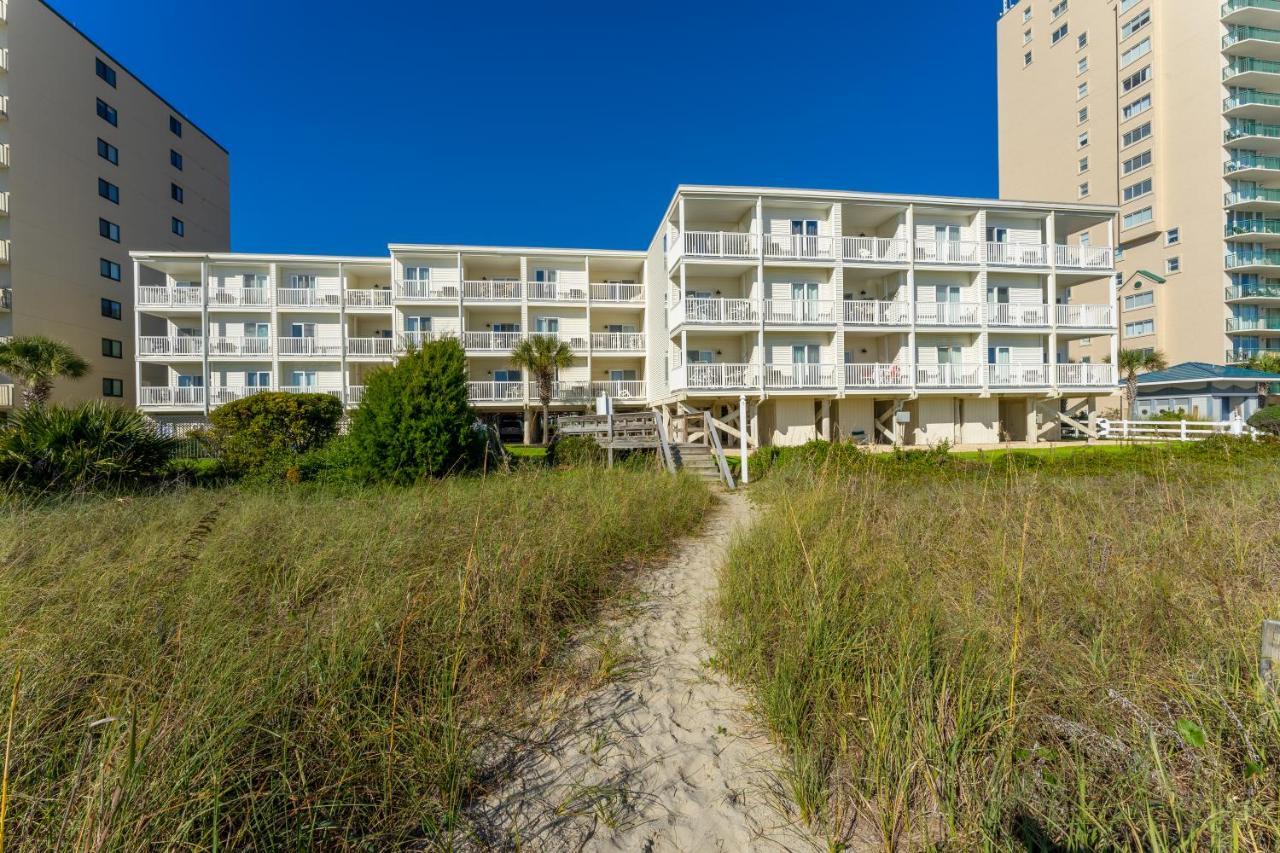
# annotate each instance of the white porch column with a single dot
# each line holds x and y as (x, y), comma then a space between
(743, 449)
(1033, 424)
(825, 419)
(204, 331)
(760, 297)
(343, 335)
(912, 357)
(1051, 237)
(137, 335)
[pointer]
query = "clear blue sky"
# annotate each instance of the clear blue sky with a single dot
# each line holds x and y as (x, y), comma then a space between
(556, 123)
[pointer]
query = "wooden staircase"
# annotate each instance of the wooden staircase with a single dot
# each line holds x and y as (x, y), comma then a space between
(699, 460)
(698, 451)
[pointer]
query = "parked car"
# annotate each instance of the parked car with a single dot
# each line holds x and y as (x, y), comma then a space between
(510, 428)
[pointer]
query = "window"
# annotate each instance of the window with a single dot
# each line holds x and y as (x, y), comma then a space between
(1082, 41)
(105, 71)
(175, 126)
(1139, 300)
(1126, 5)
(1084, 189)
(1058, 35)
(107, 113)
(1058, 10)
(1173, 236)
(1173, 265)
(1138, 217)
(108, 152)
(175, 192)
(112, 387)
(178, 226)
(175, 160)
(1082, 140)
(1026, 58)
(1136, 135)
(111, 308)
(1026, 14)
(1084, 164)
(1135, 23)
(1086, 242)
(1082, 90)
(109, 191)
(1082, 115)
(108, 269)
(1133, 81)
(112, 349)
(1140, 328)
(1026, 37)
(110, 230)
(1133, 164)
(1082, 65)
(1136, 108)
(1137, 190)
(1135, 53)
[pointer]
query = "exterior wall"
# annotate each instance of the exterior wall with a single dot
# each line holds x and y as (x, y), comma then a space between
(52, 185)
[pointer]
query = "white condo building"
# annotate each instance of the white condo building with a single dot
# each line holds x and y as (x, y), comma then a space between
(912, 319)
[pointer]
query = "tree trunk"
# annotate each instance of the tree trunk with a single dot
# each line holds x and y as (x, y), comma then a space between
(546, 422)
(1131, 395)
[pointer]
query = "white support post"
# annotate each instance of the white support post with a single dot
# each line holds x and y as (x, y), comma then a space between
(343, 335)
(273, 284)
(1051, 297)
(743, 449)
(204, 332)
(137, 335)
(586, 265)
(913, 357)
(761, 296)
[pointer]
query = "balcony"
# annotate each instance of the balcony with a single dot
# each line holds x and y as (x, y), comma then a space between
(875, 313)
(1251, 104)
(1013, 314)
(799, 311)
(307, 297)
(1249, 292)
(1085, 316)
(150, 346)
(221, 394)
(355, 395)
(378, 347)
(6, 299)
(239, 297)
(1239, 356)
(331, 390)
(799, 247)
(619, 293)
(949, 375)
(1097, 376)
(372, 299)
(1248, 72)
(796, 376)
(167, 397)
(890, 376)
(1258, 42)
(1088, 258)
(553, 291)
(714, 312)
(493, 291)
(567, 392)
(1257, 259)
(495, 392)
(967, 253)
(491, 341)
(617, 342)
(6, 396)
(1020, 255)
(949, 313)
(620, 389)
(169, 297)
(427, 291)
(1252, 134)
(1255, 197)
(1253, 325)
(1018, 375)
(4, 203)
(724, 377)
(417, 338)
(1250, 12)
(714, 245)
(875, 250)
(1253, 229)
(239, 347)
(308, 347)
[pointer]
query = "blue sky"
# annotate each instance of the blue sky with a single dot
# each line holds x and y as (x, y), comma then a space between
(556, 123)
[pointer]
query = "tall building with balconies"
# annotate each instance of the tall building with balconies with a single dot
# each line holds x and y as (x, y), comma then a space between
(1171, 110)
(92, 161)
(820, 314)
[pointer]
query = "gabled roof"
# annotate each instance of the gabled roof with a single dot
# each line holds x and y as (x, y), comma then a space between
(1199, 371)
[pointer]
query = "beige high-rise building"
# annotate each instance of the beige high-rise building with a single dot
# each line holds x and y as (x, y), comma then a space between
(92, 163)
(1171, 109)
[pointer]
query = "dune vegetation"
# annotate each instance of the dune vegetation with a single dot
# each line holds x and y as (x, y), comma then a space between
(295, 668)
(1049, 653)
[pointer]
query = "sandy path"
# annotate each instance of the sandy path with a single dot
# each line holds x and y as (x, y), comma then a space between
(662, 757)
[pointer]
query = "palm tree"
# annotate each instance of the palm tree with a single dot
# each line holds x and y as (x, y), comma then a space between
(1133, 362)
(541, 356)
(36, 362)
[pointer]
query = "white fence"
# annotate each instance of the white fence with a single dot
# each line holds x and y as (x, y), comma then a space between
(1172, 430)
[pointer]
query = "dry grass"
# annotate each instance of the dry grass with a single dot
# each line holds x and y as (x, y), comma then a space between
(1051, 655)
(295, 669)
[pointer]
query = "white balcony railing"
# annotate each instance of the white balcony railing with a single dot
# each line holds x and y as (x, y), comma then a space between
(720, 376)
(239, 346)
(1085, 316)
(949, 313)
(719, 244)
(371, 298)
(150, 345)
(307, 297)
(800, 375)
(164, 396)
(1101, 258)
(621, 389)
(427, 291)
(949, 252)
(798, 311)
(1014, 314)
(949, 375)
(568, 392)
(617, 293)
(355, 395)
(331, 390)
(1018, 375)
(493, 291)
(876, 250)
(1017, 255)
(235, 297)
(370, 347)
(876, 376)
(168, 297)
(1086, 375)
(6, 395)
(617, 341)
(489, 392)
(799, 247)
(218, 395)
(715, 311)
(491, 341)
(554, 291)
(418, 338)
(875, 313)
(305, 346)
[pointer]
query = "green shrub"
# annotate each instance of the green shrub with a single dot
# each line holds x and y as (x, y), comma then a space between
(1266, 419)
(87, 447)
(198, 472)
(576, 451)
(416, 420)
(256, 429)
